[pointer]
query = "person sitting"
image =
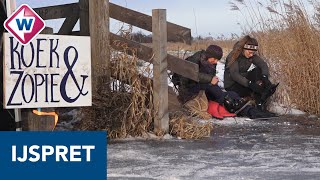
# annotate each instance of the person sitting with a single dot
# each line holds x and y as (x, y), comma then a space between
(247, 73)
(222, 102)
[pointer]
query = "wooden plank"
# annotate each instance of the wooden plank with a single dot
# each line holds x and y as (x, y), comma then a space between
(131, 47)
(173, 103)
(35, 122)
(60, 11)
(68, 25)
(174, 32)
(160, 76)
(175, 64)
(11, 6)
(183, 67)
(100, 48)
(84, 18)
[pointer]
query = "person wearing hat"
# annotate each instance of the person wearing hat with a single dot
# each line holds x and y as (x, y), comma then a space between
(221, 103)
(247, 74)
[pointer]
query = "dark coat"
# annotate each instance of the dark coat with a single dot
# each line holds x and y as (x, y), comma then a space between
(238, 71)
(206, 70)
(189, 88)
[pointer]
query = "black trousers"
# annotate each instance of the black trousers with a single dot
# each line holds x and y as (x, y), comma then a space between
(214, 92)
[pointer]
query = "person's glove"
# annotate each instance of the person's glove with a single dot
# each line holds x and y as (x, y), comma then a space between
(255, 87)
(266, 81)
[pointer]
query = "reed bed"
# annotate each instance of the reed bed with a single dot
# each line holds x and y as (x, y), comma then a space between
(126, 109)
(288, 34)
(187, 127)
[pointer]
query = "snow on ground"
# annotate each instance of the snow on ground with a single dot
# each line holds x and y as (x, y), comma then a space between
(75, 117)
(281, 109)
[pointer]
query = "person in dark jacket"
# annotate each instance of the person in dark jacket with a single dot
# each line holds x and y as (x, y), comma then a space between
(226, 101)
(7, 122)
(208, 81)
(247, 74)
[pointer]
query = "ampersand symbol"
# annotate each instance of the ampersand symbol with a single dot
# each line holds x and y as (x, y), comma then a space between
(70, 73)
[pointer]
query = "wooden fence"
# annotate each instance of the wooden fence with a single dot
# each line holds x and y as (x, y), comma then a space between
(157, 24)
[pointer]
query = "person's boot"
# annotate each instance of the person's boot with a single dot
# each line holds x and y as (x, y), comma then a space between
(232, 105)
(255, 113)
(268, 92)
(213, 109)
(223, 112)
(261, 106)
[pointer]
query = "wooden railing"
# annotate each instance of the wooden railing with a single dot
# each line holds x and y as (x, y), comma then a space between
(174, 32)
(157, 24)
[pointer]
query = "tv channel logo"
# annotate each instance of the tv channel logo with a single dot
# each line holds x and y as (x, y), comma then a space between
(24, 24)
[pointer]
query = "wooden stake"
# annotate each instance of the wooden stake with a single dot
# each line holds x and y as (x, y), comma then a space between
(160, 74)
(11, 6)
(100, 47)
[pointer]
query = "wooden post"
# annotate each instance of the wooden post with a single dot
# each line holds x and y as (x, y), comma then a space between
(33, 122)
(84, 17)
(11, 6)
(100, 47)
(160, 75)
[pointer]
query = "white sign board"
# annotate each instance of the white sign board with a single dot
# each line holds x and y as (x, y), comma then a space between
(51, 71)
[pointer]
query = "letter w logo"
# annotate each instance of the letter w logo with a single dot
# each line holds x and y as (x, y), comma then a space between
(25, 24)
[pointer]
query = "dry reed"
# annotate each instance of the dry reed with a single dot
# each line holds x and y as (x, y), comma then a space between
(288, 35)
(186, 127)
(127, 109)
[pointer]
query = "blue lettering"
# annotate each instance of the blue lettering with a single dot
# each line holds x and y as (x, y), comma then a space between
(70, 73)
(24, 23)
(32, 56)
(39, 84)
(20, 73)
(38, 53)
(46, 87)
(53, 50)
(52, 85)
(13, 49)
(23, 88)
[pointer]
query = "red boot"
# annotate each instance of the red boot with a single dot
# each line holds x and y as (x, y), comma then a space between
(223, 112)
(213, 109)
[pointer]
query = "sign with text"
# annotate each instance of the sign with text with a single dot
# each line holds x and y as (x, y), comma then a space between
(51, 71)
(79, 155)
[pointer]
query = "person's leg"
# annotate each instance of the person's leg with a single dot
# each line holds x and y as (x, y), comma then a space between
(214, 93)
(240, 90)
(256, 76)
(253, 113)
(233, 102)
